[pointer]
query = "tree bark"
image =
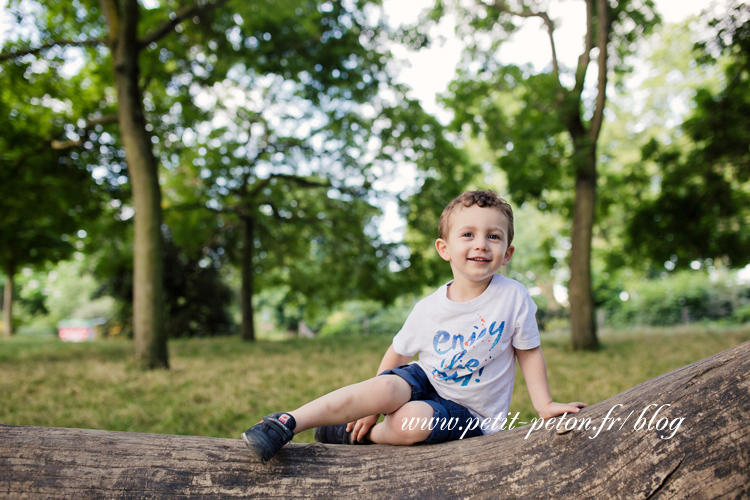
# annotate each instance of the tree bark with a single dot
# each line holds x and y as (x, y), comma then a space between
(10, 272)
(148, 329)
(248, 237)
(707, 455)
(580, 293)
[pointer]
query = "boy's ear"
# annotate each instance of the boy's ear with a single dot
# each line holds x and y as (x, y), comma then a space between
(442, 247)
(508, 254)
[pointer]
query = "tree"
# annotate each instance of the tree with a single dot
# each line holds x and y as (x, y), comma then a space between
(649, 104)
(118, 43)
(545, 126)
(152, 63)
(289, 172)
(699, 212)
(293, 160)
(671, 449)
(47, 194)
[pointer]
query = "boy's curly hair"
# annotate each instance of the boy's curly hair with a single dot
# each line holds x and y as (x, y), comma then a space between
(481, 198)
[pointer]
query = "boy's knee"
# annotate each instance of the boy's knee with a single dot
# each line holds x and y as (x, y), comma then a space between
(392, 390)
(394, 383)
(412, 423)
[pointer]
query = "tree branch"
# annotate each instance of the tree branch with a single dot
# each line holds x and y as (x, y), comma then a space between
(602, 39)
(44, 145)
(303, 181)
(91, 123)
(185, 13)
(585, 58)
(501, 6)
(701, 459)
(15, 54)
(112, 19)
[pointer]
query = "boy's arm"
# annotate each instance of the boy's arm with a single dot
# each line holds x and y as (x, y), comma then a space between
(534, 372)
(361, 427)
(392, 359)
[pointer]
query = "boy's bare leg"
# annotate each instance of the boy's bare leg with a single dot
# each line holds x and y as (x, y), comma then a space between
(382, 394)
(395, 428)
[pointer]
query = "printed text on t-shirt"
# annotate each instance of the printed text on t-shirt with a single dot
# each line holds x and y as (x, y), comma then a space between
(456, 366)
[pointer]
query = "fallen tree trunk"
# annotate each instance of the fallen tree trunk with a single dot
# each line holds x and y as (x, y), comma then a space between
(635, 447)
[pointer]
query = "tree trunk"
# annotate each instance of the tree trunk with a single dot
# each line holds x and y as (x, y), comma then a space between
(632, 453)
(149, 333)
(580, 294)
(582, 320)
(10, 272)
(248, 238)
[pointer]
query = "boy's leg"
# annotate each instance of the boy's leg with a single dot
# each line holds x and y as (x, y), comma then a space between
(383, 394)
(407, 425)
(427, 417)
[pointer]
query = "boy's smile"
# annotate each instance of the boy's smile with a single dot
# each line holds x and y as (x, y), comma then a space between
(476, 247)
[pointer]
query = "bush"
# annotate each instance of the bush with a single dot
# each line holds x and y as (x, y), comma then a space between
(367, 318)
(741, 314)
(692, 295)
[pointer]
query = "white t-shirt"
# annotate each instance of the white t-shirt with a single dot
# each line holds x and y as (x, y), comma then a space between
(466, 348)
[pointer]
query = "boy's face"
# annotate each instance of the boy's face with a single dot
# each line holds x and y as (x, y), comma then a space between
(476, 244)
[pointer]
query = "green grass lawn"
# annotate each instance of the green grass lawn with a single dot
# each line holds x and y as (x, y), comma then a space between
(219, 387)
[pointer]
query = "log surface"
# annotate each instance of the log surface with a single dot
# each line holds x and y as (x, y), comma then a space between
(708, 455)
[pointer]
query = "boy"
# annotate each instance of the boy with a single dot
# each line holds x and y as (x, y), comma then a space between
(468, 335)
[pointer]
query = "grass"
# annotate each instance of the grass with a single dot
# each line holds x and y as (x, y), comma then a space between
(219, 387)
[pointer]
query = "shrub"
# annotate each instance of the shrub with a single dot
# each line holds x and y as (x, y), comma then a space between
(685, 295)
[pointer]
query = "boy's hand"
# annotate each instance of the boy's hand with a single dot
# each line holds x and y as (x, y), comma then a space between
(362, 427)
(554, 409)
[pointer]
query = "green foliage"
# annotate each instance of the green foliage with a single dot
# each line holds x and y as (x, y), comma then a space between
(46, 195)
(49, 147)
(532, 120)
(367, 318)
(544, 126)
(196, 297)
(52, 293)
(700, 211)
(665, 302)
(278, 115)
(741, 314)
(647, 108)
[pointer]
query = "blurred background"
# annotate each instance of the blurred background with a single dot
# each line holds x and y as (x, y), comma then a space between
(254, 172)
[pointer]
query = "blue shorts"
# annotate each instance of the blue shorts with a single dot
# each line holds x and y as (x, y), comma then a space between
(450, 419)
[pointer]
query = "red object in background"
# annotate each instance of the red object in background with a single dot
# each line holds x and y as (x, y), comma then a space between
(75, 331)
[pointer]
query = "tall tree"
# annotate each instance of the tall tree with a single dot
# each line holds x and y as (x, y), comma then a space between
(153, 62)
(545, 126)
(47, 194)
(117, 43)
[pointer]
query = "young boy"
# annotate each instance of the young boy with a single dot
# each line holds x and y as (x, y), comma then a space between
(468, 335)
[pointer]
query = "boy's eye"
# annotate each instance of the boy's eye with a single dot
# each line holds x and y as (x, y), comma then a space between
(494, 237)
(467, 235)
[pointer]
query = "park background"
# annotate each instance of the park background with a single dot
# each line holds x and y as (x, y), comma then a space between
(300, 166)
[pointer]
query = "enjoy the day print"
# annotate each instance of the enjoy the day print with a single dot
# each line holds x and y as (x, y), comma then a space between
(464, 357)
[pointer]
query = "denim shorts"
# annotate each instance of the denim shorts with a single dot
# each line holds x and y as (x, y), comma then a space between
(450, 419)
